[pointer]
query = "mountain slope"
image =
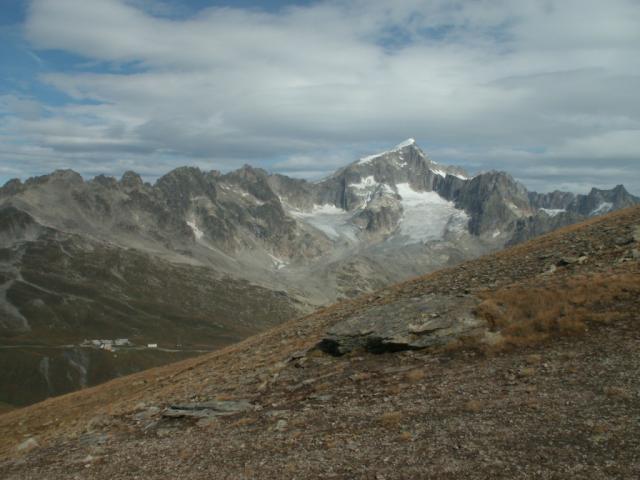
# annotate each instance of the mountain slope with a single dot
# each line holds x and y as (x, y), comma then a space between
(58, 290)
(203, 259)
(555, 396)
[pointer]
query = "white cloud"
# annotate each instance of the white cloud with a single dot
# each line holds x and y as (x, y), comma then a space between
(487, 83)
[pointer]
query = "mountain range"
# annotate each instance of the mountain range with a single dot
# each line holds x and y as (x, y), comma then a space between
(199, 260)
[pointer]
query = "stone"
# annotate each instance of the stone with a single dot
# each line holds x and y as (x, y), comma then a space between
(622, 241)
(281, 425)
(98, 422)
(147, 413)
(321, 398)
(565, 261)
(298, 355)
(207, 422)
(28, 445)
(212, 408)
(414, 323)
(88, 459)
(165, 432)
(93, 439)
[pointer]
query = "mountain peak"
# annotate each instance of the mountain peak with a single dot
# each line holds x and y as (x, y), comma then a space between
(131, 179)
(409, 142)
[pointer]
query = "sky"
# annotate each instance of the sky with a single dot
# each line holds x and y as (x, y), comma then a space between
(546, 90)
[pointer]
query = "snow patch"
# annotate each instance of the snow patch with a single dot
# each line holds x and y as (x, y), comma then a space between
(407, 143)
(367, 187)
(437, 171)
(460, 176)
(278, 262)
(194, 228)
(444, 173)
(427, 216)
(251, 198)
(552, 212)
(365, 183)
(604, 207)
(330, 220)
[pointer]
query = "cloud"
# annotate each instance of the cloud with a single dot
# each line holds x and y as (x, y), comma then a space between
(304, 89)
(23, 108)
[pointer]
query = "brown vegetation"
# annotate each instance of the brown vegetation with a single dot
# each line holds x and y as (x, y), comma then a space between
(391, 419)
(531, 312)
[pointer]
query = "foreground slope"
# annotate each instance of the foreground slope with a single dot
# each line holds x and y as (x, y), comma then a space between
(546, 386)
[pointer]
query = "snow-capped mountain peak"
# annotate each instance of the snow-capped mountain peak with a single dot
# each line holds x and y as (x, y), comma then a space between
(402, 145)
(408, 142)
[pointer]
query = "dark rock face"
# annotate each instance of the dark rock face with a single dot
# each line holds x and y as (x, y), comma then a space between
(382, 218)
(415, 323)
(602, 201)
(493, 200)
(16, 225)
(180, 185)
(558, 209)
(296, 192)
(131, 180)
(554, 200)
(535, 225)
(12, 187)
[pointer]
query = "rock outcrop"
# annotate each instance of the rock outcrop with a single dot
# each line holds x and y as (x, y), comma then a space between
(414, 323)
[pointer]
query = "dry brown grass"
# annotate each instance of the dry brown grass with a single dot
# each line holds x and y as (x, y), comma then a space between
(243, 422)
(416, 375)
(534, 359)
(529, 313)
(473, 406)
(526, 372)
(394, 389)
(620, 393)
(391, 419)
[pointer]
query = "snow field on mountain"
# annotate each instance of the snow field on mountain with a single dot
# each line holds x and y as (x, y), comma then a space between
(330, 220)
(427, 216)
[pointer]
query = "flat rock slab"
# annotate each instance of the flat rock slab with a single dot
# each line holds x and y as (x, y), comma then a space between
(409, 324)
(214, 408)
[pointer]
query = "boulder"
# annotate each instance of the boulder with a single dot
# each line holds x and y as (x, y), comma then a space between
(414, 323)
